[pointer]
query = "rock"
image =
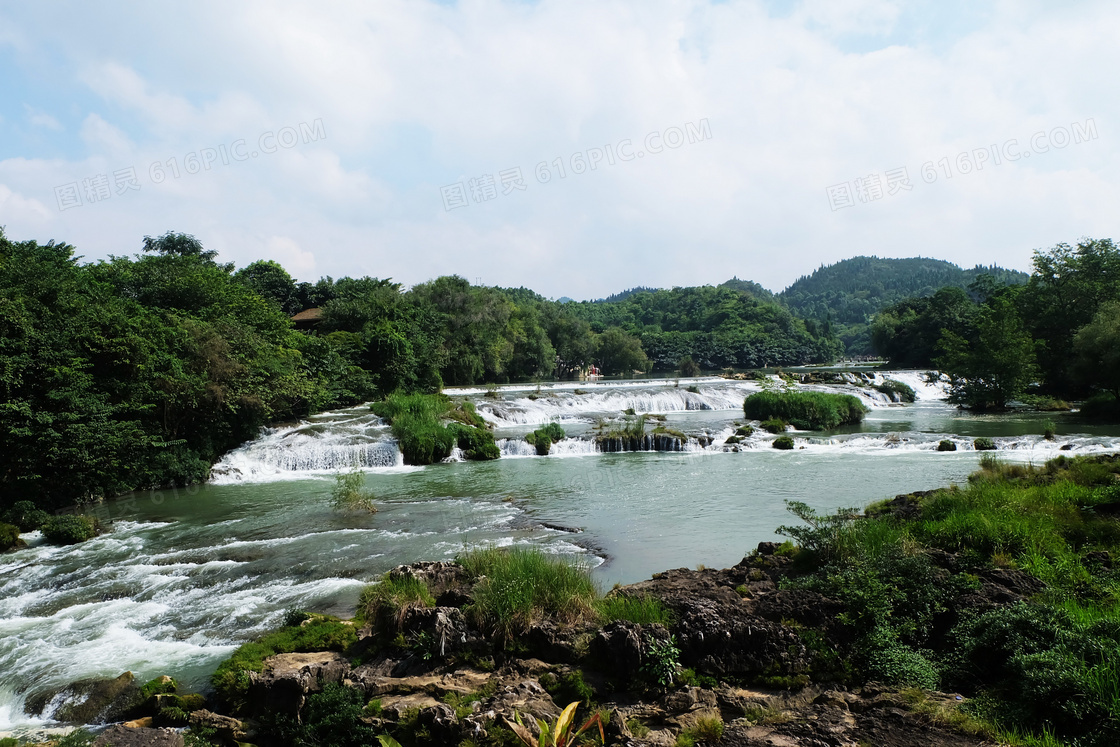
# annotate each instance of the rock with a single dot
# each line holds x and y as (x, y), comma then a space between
(122, 735)
(441, 723)
(288, 679)
(228, 729)
(718, 632)
(438, 575)
(619, 647)
(90, 701)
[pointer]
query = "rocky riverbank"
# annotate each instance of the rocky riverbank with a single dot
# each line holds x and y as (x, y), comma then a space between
(856, 633)
(740, 662)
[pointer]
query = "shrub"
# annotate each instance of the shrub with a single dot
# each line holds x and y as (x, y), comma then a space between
(1102, 407)
(424, 439)
(9, 537)
(688, 367)
(784, 443)
(946, 445)
(984, 444)
(69, 529)
(568, 687)
(774, 425)
(26, 516)
(897, 390)
(518, 585)
(348, 493)
(806, 410)
(1048, 430)
(543, 438)
(661, 661)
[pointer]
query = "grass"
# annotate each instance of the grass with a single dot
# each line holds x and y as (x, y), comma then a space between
(643, 610)
(518, 586)
(385, 602)
(1040, 672)
(418, 423)
(349, 493)
(806, 410)
(708, 729)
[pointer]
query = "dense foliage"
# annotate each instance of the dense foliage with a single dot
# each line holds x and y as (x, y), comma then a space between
(717, 327)
(805, 410)
(912, 592)
(847, 295)
(429, 426)
(141, 371)
(1057, 333)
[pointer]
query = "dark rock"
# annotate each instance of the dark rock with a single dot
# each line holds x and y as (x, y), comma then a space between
(718, 632)
(227, 729)
(438, 575)
(620, 646)
(441, 723)
(768, 548)
(90, 701)
(288, 679)
(123, 736)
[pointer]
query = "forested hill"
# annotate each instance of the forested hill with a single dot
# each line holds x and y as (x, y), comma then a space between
(849, 293)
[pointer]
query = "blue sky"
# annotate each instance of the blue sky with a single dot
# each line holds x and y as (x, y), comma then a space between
(405, 122)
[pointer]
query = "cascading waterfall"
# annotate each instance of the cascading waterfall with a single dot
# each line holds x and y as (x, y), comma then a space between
(342, 440)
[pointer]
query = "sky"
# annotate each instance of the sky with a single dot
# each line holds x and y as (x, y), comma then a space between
(575, 148)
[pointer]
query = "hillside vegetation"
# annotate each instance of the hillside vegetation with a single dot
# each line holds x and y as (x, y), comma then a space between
(849, 293)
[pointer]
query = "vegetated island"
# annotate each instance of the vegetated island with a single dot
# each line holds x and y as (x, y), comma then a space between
(971, 615)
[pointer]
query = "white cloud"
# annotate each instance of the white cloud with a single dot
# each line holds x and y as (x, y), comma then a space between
(415, 95)
(40, 118)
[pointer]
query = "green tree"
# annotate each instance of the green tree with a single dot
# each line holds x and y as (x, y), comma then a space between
(993, 367)
(619, 352)
(1096, 349)
(1068, 286)
(270, 280)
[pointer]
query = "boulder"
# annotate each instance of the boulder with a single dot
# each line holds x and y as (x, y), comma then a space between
(227, 729)
(90, 701)
(122, 735)
(287, 680)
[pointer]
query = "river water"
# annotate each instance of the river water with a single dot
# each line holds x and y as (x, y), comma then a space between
(187, 575)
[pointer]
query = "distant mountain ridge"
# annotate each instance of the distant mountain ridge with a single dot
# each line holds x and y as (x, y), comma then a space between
(849, 293)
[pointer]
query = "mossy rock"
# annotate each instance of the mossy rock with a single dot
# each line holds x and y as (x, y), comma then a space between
(70, 529)
(774, 425)
(733, 440)
(984, 444)
(9, 538)
(744, 431)
(946, 445)
(784, 443)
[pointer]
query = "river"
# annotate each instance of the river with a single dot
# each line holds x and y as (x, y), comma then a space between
(187, 575)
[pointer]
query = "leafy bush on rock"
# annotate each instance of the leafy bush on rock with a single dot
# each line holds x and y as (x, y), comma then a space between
(69, 529)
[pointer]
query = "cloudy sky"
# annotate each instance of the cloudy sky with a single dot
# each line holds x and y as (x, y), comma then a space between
(577, 148)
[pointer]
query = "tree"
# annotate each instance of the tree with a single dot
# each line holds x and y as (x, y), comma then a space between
(1068, 286)
(270, 280)
(619, 352)
(993, 367)
(1096, 348)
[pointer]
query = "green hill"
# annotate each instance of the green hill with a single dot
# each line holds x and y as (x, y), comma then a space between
(848, 294)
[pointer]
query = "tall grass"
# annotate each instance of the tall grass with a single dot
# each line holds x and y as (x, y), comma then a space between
(519, 586)
(418, 425)
(806, 410)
